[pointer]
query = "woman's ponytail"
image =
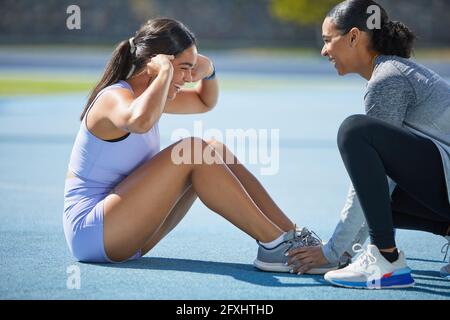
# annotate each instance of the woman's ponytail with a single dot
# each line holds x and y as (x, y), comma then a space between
(394, 38)
(117, 69)
(157, 36)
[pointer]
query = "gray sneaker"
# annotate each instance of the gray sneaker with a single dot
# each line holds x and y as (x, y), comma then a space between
(445, 270)
(274, 260)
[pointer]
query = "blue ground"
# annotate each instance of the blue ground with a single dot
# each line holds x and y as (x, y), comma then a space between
(205, 257)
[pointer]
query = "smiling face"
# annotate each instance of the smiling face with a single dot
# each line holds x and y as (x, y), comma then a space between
(338, 48)
(182, 67)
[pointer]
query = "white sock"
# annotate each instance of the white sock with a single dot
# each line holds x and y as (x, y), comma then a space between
(272, 244)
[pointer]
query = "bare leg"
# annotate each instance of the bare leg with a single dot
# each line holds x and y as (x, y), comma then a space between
(140, 204)
(175, 216)
(253, 187)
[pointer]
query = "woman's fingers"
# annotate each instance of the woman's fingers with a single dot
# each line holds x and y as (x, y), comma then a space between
(158, 62)
(298, 257)
(304, 266)
(299, 253)
(298, 250)
(301, 259)
(315, 252)
(305, 258)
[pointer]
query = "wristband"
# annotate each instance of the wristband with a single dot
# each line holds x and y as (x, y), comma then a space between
(213, 75)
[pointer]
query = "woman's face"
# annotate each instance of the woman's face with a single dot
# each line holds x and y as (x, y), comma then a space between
(338, 48)
(182, 67)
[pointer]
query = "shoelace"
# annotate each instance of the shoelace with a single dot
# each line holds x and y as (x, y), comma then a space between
(366, 258)
(310, 238)
(445, 248)
(296, 242)
(303, 238)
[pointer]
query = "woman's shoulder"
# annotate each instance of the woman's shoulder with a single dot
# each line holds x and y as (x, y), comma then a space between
(389, 66)
(121, 84)
(114, 94)
(406, 74)
(109, 101)
(387, 73)
(396, 61)
(392, 66)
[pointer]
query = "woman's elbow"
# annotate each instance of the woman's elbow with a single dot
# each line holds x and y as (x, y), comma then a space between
(209, 105)
(140, 125)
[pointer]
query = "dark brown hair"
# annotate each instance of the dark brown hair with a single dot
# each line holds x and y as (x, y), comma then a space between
(393, 38)
(157, 36)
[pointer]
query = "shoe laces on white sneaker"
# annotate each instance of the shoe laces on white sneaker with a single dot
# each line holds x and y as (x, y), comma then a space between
(365, 259)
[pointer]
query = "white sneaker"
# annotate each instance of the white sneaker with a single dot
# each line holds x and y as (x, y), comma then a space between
(372, 271)
(445, 270)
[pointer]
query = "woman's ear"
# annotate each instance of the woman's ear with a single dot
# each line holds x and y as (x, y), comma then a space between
(355, 37)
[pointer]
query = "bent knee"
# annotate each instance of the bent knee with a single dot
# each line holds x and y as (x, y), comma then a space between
(217, 145)
(188, 151)
(352, 128)
(223, 151)
(214, 143)
(191, 143)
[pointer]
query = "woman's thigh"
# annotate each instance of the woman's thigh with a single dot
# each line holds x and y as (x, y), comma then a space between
(413, 162)
(172, 220)
(139, 205)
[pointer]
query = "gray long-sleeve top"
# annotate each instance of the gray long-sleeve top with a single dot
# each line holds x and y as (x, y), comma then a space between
(406, 94)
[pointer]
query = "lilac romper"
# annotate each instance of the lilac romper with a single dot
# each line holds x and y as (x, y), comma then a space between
(98, 166)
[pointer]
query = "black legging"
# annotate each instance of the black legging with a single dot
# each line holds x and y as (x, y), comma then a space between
(372, 150)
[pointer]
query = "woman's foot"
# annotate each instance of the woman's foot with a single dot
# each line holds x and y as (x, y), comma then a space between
(275, 259)
(372, 271)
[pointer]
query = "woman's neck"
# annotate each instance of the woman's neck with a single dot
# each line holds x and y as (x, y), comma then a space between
(369, 66)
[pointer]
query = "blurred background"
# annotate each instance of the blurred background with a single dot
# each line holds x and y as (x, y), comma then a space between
(244, 36)
(267, 56)
(222, 24)
(271, 74)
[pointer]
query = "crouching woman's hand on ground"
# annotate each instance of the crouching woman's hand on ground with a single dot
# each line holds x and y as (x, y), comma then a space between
(303, 259)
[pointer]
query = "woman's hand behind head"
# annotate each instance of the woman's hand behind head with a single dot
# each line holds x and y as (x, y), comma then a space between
(202, 69)
(158, 63)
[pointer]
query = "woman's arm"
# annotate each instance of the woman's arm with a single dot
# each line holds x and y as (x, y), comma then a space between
(200, 99)
(351, 229)
(140, 114)
(344, 236)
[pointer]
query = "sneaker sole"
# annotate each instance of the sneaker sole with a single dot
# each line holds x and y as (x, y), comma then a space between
(277, 267)
(321, 270)
(396, 282)
(271, 267)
